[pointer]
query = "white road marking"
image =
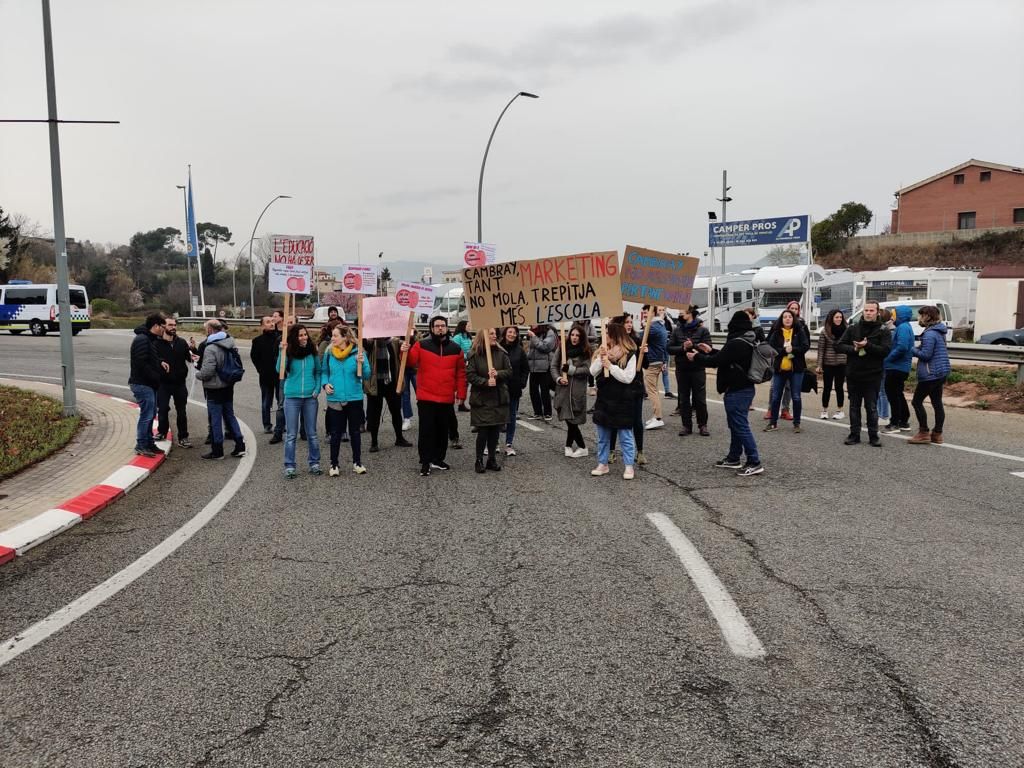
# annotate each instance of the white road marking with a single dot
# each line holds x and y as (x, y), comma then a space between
(846, 425)
(737, 632)
(528, 425)
(13, 647)
(1017, 474)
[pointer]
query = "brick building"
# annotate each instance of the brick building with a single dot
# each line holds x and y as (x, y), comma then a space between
(972, 195)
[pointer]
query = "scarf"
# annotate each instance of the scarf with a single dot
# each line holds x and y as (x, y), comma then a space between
(341, 354)
(691, 325)
(572, 351)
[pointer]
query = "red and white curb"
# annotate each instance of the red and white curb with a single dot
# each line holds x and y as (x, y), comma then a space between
(18, 540)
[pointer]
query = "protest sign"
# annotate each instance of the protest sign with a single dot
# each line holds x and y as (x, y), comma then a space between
(290, 269)
(478, 254)
(659, 279)
(540, 291)
(359, 278)
(383, 317)
(415, 296)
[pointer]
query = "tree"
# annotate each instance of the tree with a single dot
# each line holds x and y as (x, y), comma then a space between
(783, 256)
(147, 252)
(830, 234)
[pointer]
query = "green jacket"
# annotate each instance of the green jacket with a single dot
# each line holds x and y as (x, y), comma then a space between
(488, 405)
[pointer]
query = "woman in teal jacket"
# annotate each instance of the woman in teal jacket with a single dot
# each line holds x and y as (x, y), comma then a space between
(343, 370)
(301, 388)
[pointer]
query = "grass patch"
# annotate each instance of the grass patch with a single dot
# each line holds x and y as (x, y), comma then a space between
(990, 377)
(31, 428)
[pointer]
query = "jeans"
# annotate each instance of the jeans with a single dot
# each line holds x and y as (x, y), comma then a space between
(691, 388)
(348, 419)
(177, 392)
(664, 379)
(883, 404)
(145, 396)
(638, 426)
(741, 437)
(832, 376)
(651, 375)
(269, 391)
(513, 414)
(894, 381)
(933, 391)
(294, 409)
(220, 406)
(540, 393)
(865, 392)
(781, 380)
(410, 385)
(604, 444)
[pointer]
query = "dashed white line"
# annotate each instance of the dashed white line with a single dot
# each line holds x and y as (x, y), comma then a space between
(737, 632)
(1017, 474)
(528, 425)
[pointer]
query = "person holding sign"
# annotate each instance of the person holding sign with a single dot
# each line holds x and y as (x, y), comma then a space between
(301, 388)
(626, 321)
(488, 400)
(513, 347)
(616, 395)
(343, 369)
(441, 378)
(570, 375)
(380, 389)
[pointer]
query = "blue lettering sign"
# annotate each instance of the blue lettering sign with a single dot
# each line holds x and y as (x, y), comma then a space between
(779, 231)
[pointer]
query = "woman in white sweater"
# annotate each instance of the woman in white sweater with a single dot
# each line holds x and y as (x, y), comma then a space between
(613, 409)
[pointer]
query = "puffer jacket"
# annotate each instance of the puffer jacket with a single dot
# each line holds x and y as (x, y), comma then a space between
(341, 374)
(570, 401)
(901, 355)
(440, 370)
(213, 358)
(800, 344)
(145, 363)
(539, 351)
(827, 352)
(302, 375)
(697, 334)
(465, 342)
(933, 356)
(488, 405)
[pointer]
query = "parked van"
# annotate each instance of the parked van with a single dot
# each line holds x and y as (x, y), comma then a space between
(26, 306)
(450, 303)
(945, 314)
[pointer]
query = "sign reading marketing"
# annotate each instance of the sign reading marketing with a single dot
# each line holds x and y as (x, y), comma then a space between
(783, 230)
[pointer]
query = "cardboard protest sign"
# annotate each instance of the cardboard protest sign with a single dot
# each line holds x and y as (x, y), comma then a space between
(414, 296)
(290, 269)
(550, 290)
(359, 278)
(659, 279)
(383, 317)
(478, 254)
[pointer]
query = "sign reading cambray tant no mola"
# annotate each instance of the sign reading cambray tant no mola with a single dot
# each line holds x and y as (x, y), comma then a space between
(540, 291)
(660, 279)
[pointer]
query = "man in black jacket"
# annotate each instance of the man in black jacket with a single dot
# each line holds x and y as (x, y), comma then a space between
(866, 344)
(263, 353)
(733, 362)
(144, 380)
(173, 351)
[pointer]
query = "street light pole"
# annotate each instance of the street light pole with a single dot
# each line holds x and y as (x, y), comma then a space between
(480, 187)
(724, 199)
(252, 292)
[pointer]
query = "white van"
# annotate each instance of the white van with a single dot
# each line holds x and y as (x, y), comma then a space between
(26, 306)
(450, 303)
(945, 314)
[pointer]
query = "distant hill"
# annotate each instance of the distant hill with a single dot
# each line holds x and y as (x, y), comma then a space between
(987, 249)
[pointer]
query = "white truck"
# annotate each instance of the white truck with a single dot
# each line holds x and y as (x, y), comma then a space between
(956, 287)
(818, 290)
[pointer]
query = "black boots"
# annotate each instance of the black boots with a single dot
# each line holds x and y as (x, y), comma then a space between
(479, 466)
(216, 451)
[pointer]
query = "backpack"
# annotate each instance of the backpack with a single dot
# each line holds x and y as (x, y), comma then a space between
(231, 370)
(762, 361)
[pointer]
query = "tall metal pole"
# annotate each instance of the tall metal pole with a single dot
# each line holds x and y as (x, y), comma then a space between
(480, 187)
(188, 263)
(67, 355)
(725, 199)
(252, 292)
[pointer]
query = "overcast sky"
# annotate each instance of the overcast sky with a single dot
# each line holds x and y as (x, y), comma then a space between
(374, 115)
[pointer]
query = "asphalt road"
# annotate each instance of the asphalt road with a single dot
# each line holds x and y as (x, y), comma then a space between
(533, 617)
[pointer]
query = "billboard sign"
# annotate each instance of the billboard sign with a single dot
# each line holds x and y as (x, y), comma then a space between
(779, 231)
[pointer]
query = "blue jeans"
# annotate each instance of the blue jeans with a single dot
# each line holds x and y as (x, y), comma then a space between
(795, 381)
(146, 398)
(883, 404)
(513, 413)
(222, 411)
(410, 384)
(294, 409)
(737, 406)
(664, 377)
(626, 443)
(269, 391)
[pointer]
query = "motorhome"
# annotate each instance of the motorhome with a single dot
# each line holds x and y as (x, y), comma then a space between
(957, 288)
(818, 290)
(33, 307)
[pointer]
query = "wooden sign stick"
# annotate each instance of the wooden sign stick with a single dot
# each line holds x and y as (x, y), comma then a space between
(359, 319)
(400, 383)
(284, 337)
(604, 343)
(647, 330)
(487, 348)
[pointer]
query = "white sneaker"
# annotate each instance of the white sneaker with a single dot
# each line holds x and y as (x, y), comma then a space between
(600, 469)
(839, 416)
(333, 472)
(359, 469)
(510, 451)
(627, 474)
(485, 451)
(406, 425)
(654, 424)
(824, 415)
(568, 451)
(579, 453)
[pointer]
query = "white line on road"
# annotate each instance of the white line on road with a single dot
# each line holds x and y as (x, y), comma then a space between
(1017, 474)
(737, 632)
(13, 647)
(528, 425)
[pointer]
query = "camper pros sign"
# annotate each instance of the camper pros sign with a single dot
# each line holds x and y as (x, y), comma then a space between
(782, 230)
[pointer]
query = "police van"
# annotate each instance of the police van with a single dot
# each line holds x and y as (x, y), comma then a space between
(27, 306)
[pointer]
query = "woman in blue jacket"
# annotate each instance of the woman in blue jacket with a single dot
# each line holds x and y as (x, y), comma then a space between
(932, 369)
(301, 388)
(343, 369)
(897, 368)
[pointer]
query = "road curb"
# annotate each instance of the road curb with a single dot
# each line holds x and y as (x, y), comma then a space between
(18, 540)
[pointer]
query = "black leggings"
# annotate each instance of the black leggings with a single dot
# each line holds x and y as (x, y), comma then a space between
(933, 391)
(540, 392)
(487, 436)
(893, 383)
(573, 435)
(832, 374)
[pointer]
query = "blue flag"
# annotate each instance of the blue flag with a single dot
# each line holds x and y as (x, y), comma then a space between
(192, 237)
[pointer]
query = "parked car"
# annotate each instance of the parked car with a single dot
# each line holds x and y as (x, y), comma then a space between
(33, 307)
(1011, 337)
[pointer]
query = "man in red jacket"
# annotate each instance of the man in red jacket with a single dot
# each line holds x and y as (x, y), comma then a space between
(440, 379)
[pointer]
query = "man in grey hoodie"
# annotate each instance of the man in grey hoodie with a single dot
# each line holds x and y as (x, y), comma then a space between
(219, 393)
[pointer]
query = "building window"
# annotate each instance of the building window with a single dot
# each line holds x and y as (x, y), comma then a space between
(958, 178)
(966, 220)
(986, 176)
(1018, 215)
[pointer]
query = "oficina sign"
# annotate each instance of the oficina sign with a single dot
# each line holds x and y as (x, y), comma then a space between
(782, 230)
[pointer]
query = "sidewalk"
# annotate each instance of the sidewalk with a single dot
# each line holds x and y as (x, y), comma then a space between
(94, 469)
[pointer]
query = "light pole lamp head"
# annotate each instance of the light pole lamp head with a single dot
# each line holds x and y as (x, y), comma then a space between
(712, 216)
(529, 95)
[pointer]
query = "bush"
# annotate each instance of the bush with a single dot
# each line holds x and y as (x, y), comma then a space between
(105, 307)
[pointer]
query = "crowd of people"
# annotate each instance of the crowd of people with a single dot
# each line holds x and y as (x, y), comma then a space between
(488, 372)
